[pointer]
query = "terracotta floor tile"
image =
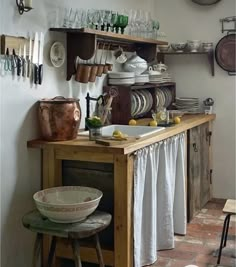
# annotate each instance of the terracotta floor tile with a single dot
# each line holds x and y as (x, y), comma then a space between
(202, 241)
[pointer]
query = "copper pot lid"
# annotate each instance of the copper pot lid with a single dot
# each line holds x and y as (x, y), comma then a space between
(225, 53)
(59, 100)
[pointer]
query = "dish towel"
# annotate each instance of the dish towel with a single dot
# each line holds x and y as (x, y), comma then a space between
(159, 198)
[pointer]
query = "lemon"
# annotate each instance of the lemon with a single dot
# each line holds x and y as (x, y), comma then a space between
(132, 122)
(153, 123)
(177, 120)
(117, 134)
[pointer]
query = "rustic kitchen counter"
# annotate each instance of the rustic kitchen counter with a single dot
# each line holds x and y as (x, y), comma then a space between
(121, 156)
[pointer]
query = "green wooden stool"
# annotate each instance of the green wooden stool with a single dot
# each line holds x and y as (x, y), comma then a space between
(90, 227)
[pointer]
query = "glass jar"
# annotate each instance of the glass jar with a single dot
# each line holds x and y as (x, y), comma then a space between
(95, 133)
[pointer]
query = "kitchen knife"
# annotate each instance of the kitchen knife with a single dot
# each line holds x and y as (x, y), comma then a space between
(19, 63)
(41, 58)
(35, 59)
(24, 66)
(29, 66)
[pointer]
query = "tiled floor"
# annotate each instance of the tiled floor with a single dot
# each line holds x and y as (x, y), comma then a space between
(200, 244)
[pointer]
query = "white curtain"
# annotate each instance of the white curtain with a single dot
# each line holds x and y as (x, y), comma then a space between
(159, 198)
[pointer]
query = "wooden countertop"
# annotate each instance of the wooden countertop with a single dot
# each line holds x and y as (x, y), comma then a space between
(84, 145)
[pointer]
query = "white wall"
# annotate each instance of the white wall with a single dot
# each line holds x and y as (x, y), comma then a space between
(184, 20)
(20, 167)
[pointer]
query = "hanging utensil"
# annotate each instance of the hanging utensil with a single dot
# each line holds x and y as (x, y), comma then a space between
(8, 62)
(41, 58)
(24, 66)
(206, 2)
(35, 59)
(225, 48)
(29, 66)
(19, 63)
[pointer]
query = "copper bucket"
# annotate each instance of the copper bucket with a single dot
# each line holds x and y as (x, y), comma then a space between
(59, 118)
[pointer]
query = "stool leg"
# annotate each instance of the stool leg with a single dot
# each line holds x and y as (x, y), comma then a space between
(52, 251)
(99, 251)
(37, 248)
(227, 229)
(75, 247)
(223, 236)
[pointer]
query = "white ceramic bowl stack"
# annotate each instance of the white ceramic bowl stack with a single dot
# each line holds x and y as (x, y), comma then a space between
(194, 45)
(179, 47)
(67, 204)
(121, 78)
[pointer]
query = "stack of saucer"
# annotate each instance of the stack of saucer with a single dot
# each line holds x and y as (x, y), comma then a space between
(155, 78)
(166, 77)
(190, 104)
(121, 78)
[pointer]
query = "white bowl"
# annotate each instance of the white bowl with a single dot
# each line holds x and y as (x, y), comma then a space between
(194, 45)
(135, 64)
(67, 204)
(163, 48)
(179, 47)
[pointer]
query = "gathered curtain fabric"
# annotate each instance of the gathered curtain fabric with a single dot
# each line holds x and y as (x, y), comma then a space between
(159, 198)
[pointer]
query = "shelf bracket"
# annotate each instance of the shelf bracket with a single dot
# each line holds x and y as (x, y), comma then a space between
(79, 44)
(211, 62)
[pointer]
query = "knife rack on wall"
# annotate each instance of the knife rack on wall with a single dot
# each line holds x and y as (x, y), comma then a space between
(13, 42)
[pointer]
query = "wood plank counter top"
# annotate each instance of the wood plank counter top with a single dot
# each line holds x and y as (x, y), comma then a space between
(82, 144)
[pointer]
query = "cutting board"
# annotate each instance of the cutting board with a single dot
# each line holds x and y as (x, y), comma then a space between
(109, 141)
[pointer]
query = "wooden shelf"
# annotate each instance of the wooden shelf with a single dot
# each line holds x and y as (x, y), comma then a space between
(83, 43)
(209, 54)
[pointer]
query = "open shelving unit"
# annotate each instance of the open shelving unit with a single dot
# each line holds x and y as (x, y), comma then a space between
(209, 54)
(84, 42)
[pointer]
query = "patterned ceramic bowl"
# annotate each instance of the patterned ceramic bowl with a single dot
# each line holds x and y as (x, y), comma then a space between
(67, 204)
(178, 47)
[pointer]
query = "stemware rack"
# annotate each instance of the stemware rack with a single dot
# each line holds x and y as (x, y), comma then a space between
(83, 43)
(121, 105)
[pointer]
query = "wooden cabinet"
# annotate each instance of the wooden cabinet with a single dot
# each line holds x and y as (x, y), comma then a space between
(84, 42)
(199, 169)
(122, 104)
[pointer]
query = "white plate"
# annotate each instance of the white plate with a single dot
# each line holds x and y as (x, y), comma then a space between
(128, 81)
(121, 75)
(57, 54)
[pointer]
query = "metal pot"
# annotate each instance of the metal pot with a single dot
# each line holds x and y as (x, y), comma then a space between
(206, 2)
(59, 118)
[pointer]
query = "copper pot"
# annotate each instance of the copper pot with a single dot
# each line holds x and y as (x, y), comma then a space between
(59, 118)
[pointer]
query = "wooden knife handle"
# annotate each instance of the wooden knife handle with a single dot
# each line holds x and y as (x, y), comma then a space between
(36, 74)
(40, 74)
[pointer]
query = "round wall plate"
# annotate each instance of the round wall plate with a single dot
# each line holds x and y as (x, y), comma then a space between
(57, 54)
(206, 2)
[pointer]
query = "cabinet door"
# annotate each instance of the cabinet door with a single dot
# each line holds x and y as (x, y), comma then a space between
(193, 172)
(205, 165)
(198, 169)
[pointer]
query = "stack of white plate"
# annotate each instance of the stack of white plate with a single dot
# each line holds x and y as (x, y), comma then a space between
(141, 102)
(155, 78)
(121, 78)
(142, 79)
(190, 104)
(166, 77)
